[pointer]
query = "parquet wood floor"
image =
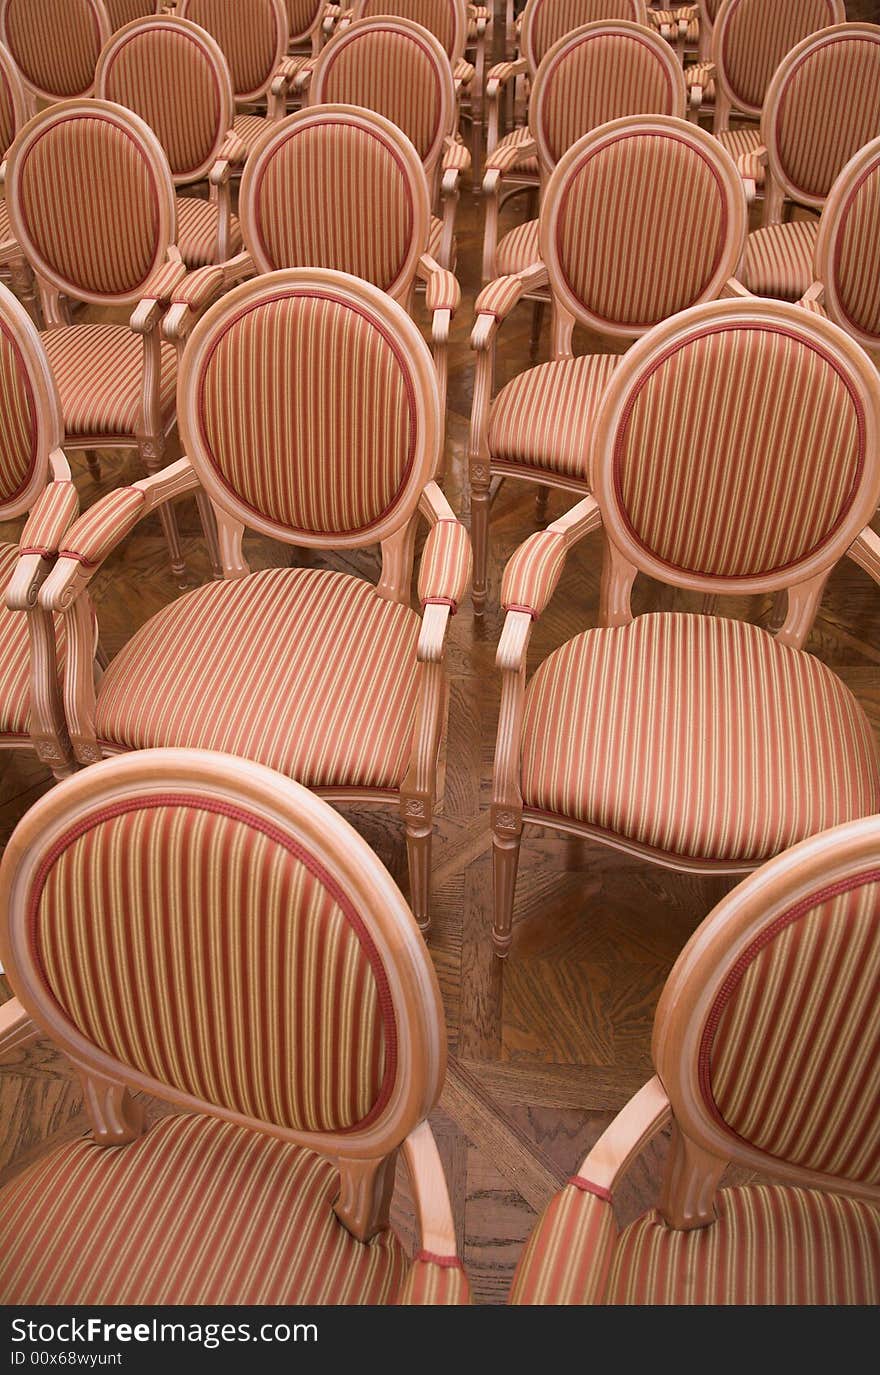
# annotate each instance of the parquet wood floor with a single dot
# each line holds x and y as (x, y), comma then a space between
(545, 1050)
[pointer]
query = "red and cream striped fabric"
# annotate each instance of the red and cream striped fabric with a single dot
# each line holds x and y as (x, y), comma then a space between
(15, 656)
(125, 11)
(767, 1246)
(88, 198)
(18, 433)
(291, 430)
(101, 528)
(445, 570)
(625, 203)
(53, 511)
(552, 19)
(817, 130)
(442, 291)
(135, 892)
(200, 288)
(778, 259)
(7, 111)
(568, 1255)
(701, 74)
(99, 373)
(599, 77)
(544, 418)
(442, 18)
(435, 238)
(252, 35)
(742, 143)
(457, 157)
(55, 43)
(197, 228)
(531, 576)
(161, 284)
(7, 238)
(435, 1281)
(197, 1211)
(335, 196)
(392, 72)
(790, 1047)
(517, 152)
(301, 15)
(519, 249)
(757, 36)
(697, 736)
(687, 447)
(499, 297)
(248, 130)
(337, 664)
(166, 76)
(857, 234)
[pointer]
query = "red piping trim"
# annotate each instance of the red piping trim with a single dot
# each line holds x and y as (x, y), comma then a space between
(587, 1186)
(278, 837)
(441, 601)
(528, 610)
(446, 1262)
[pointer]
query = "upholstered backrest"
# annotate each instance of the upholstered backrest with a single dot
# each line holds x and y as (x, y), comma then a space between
(737, 447)
(544, 22)
(446, 19)
(847, 257)
(253, 35)
(810, 131)
(174, 75)
(641, 219)
(219, 936)
(340, 187)
(90, 199)
(303, 16)
(55, 43)
(123, 12)
(598, 73)
(751, 37)
(30, 414)
(767, 1036)
(396, 68)
(309, 406)
(12, 100)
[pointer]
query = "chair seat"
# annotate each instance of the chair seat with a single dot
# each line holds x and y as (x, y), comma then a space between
(307, 671)
(698, 736)
(197, 222)
(196, 1211)
(250, 129)
(526, 166)
(544, 417)
(15, 656)
(518, 249)
(768, 1245)
(740, 142)
(778, 260)
(99, 371)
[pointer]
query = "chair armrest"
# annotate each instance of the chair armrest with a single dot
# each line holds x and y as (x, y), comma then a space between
(733, 290)
(697, 79)
(646, 1113)
(436, 1276)
(156, 296)
(497, 300)
(463, 73)
(199, 290)
(231, 157)
(503, 72)
(456, 156)
(442, 291)
(286, 74)
(532, 574)
(437, 1281)
(504, 157)
(865, 551)
(16, 1027)
(444, 572)
(55, 509)
(813, 299)
(752, 168)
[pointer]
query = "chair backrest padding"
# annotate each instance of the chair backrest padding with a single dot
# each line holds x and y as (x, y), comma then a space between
(751, 37)
(847, 257)
(55, 43)
(446, 19)
(544, 22)
(30, 414)
(12, 100)
(253, 35)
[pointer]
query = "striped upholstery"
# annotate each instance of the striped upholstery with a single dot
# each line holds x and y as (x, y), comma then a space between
(99, 370)
(197, 228)
(103, 525)
(857, 234)
(54, 510)
(791, 1044)
(598, 77)
(125, 11)
(685, 447)
(697, 736)
(335, 196)
(740, 142)
(251, 33)
(518, 249)
(7, 109)
(249, 129)
(435, 1280)
(531, 576)
(18, 433)
(15, 656)
(625, 202)
(301, 15)
(778, 259)
(813, 136)
(501, 157)
(567, 1257)
(435, 236)
(544, 417)
(338, 665)
(197, 1211)
(167, 77)
(552, 19)
(301, 442)
(55, 43)
(757, 36)
(767, 1246)
(445, 570)
(437, 16)
(88, 198)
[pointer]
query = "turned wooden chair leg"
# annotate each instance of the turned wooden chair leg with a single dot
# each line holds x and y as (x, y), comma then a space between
(93, 463)
(506, 841)
(419, 822)
(542, 496)
(209, 526)
(480, 534)
(537, 325)
(152, 452)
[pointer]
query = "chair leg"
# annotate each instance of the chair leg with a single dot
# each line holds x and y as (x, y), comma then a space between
(419, 822)
(480, 481)
(537, 325)
(209, 526)
(152, 452)
(93, 463)
(506, 841)
(542, 497)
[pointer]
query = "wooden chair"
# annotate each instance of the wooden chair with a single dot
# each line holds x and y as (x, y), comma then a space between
(55, 45)
(339, 187)
(614, 205)
(197, 928)
(766, 1042)
(174, 75)
(807, 138)
(34, 478)
(594, 74)
(846, 260)
(13, 115)
(122, 12)
(91, 202)
(309, 411)
(701, 743)
(401, 71)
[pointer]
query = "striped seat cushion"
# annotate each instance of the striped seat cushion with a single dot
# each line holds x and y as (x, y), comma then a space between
(778, 260)
(307, 671)
(518, 249)
(15, 656)
(197, 1211)
(99, 370)
(197, 232)
(544, 417)
(698, 736)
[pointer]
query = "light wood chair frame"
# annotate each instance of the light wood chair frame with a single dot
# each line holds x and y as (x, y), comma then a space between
(825, 290)
(35, 93)
(624, 558)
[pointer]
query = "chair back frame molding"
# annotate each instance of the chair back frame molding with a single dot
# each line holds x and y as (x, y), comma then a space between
(864, 165)
(94, 11)
(312, 33)
(15, 87)
(274, 57)
(458, 11)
